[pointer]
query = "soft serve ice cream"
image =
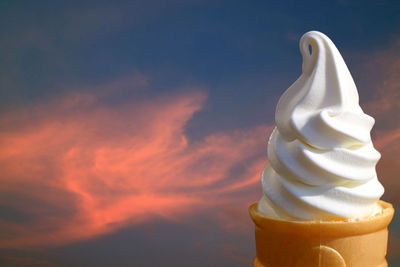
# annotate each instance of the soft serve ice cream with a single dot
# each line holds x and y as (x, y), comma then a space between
(321, 158)
(321, 204)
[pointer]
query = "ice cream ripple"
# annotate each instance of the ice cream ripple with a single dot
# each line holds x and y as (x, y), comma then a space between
(321, 157)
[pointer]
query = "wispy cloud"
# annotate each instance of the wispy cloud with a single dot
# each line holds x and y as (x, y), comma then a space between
(388, 143)
(383, 70)
(77, 167)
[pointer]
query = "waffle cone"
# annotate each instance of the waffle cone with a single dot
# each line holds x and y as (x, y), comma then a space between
(281, 243)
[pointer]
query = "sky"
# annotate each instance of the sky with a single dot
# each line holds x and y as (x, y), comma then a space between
(133, 133)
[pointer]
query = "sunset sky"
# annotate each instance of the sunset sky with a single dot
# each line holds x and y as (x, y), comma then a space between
(134, 132)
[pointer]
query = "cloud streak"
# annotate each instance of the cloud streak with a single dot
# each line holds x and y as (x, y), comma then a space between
(383, 70)
(90, 162)
(77, 166)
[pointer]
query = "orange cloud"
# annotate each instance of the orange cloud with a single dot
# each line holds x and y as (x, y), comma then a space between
(77, 167)
(388, 143)
(383, 72)
(384, 81)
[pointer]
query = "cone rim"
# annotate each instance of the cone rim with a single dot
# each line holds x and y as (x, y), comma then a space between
(328, 228)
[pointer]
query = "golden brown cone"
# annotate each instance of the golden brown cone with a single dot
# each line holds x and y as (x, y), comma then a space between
(281, 243)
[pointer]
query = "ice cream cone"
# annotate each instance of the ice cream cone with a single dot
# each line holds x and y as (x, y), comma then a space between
(358, 243)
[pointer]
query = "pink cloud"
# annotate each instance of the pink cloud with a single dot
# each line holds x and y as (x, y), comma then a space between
(388, 143)
(383, 70)
(77, 167)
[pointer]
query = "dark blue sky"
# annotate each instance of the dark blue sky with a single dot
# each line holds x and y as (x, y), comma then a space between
(242, 55)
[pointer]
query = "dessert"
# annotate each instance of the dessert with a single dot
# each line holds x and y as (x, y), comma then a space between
(321, 204)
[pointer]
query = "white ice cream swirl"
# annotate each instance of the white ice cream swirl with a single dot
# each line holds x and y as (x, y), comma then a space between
(321, 158)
